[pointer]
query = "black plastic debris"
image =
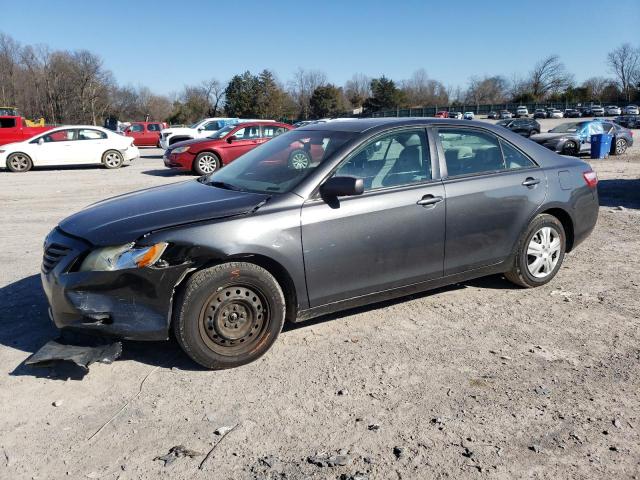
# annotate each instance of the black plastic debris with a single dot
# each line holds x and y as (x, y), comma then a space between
(177, 452)
(82, 355)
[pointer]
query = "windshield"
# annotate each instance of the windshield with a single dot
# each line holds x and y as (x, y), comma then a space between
(222, 132)
(280, 164)
(568, 128)
(195, 125)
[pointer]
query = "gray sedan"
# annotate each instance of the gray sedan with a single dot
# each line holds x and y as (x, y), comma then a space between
(384, 208)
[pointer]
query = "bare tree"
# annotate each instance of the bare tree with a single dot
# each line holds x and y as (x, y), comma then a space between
(595, 87)
(358, 89)
(486, 90)
(624, 63)
(547, 77)
(420, 90)
(214, 91)
(302, 87)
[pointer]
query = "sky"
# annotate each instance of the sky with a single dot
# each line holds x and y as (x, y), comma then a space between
(168, 44)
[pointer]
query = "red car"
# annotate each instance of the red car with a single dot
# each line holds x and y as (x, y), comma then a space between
(442, 114)
(145, 134)
(205, 155)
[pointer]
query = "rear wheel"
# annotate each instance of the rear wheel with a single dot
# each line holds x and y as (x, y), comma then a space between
(206, 163)
(112, 159)
(229, 315)
(19, 162)
(620, 146)
(540, 252)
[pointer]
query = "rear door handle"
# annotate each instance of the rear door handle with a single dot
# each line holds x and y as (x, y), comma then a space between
(530, 182)
(429, 200)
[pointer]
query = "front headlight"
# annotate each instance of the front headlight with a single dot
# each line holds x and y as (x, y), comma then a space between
(180, 150)
(122, 257)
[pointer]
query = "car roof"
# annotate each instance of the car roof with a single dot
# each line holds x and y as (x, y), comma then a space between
(264, 122)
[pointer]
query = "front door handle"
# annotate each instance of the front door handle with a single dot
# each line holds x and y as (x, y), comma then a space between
(530, 182)
(429, 200)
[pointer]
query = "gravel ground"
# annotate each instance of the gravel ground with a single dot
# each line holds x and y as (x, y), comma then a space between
(476, 380)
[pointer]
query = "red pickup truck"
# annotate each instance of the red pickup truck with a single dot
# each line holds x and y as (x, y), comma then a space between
(14, 129)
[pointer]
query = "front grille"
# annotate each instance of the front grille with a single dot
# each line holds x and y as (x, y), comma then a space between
(52, 255)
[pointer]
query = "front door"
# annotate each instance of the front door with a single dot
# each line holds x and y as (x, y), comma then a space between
(245, 139)
(492, 189)
(390, 236)
(58, 148)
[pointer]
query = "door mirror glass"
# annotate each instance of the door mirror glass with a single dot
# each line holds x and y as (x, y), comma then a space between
(342, 187)
(40, 141)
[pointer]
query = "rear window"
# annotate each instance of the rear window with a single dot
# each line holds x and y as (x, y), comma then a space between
(7, 122)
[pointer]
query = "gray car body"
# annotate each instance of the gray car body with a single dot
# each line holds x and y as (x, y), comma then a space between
(329, 256)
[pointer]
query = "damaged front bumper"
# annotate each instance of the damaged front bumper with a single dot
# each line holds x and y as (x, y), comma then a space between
(132, 304)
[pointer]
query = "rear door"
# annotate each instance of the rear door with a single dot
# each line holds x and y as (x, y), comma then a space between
(90, 145)
(492, 189)
(153, 134)
(390, 236)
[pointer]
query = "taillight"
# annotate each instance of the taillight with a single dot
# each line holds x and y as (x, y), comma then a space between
(591, 178)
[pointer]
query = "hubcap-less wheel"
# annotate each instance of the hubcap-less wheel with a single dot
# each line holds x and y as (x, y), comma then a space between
(570, 149)
(233, 320)
(621, 146)
(112, 160)
(19, 162)
(543, 252)
(299, 161)
(207, 163)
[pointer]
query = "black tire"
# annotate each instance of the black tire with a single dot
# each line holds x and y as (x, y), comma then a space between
(619, 146)
(570, 148)
(112, 159)
(206, 163)
(299, 159)
(520, 273)
(533, 132)
(229, 315)
(19, 162)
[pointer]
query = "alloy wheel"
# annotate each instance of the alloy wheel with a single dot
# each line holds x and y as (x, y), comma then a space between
(112, 159)
(207, 164)
(299, 161)
(543, 252)
(621, 146)
(19, 162)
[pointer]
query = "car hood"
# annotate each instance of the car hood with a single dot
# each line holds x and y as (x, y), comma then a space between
(175, 130)
(126, 218)
(194, 141)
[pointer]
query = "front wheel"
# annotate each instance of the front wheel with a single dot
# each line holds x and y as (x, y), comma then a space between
(112, 159)
(299, 160)
(533, 132)
(206, 163)
(540, 252)
(19, 162)
(570, 148)
(229, 315)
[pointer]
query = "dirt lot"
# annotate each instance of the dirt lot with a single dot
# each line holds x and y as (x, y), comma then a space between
(477, 380)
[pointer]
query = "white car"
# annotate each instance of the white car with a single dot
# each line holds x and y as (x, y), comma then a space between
(631, 110)
(522, 111)
(456, 115)
(597, 111)
(555, 113)
(613, 110)
(201, 129)
(469, 115)
(72, 145)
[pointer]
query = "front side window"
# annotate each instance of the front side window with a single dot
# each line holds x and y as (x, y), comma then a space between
(213, 126)
(595, 128)
(87, 134)
(7, 123)
(469, 152)
(60, 136)
(269, 131)
(247, 133)
(137, 128)
(400, 158)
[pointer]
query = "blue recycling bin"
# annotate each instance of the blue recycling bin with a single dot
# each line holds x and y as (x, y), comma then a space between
(600, 145)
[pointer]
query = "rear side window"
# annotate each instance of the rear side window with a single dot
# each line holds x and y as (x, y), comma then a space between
(136, 127)
(7, 123)
(86, 134)
(469, 152)
(514, 158)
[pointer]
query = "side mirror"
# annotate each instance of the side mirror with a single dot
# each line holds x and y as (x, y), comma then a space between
(342, 187)
(40, 141)
(200, 129)
(231, 138)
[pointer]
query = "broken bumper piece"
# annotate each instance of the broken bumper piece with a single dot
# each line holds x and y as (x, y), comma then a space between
(81, 355)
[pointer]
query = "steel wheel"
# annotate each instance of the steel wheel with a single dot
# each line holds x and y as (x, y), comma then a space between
(206, 163)
(299, 160)
(621, 146)
(543, 252)
(19, 162)
(233, 320)
(112, 159)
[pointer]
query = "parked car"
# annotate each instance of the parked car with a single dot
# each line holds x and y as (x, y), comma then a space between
(631, 110)
(597, 111)
(574, 138)
(442, 114)
(572, 113)
(455, 115)
(145, 134)
(14, 129)
(201, 129)
(628, 121)
(225, 260)
(469, 115)
(206, 155)
(540, 113)
(493, 115)
(522, 126)
(62, 146)
(612, 110)
(585, 111)
(555, 113)
(522, 111)
(504, 114)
